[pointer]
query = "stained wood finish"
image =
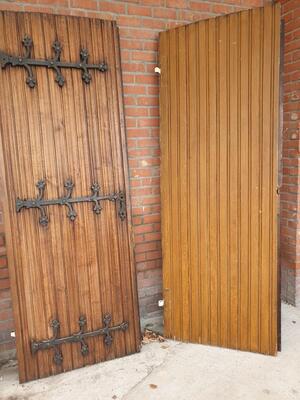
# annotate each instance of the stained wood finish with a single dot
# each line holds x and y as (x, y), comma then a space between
(219, 105)
(67, 269)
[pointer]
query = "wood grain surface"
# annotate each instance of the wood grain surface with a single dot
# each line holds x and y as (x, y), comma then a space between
(219, 108)
(66, 269)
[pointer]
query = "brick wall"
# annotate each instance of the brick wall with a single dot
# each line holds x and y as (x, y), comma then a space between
(140, 22)
(290, 205)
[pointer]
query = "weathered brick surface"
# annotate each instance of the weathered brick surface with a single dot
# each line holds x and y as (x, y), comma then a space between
(140, 22)
(290, 205)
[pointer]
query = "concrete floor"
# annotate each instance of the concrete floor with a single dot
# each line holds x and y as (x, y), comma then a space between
(173, 370)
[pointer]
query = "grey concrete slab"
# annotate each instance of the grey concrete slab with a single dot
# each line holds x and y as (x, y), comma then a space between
(178, 371)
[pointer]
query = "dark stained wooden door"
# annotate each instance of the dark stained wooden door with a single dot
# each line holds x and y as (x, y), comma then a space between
(219, 108)
(66, 269)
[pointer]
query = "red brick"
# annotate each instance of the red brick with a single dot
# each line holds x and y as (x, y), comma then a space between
(142, 247)
(130, 122)
(140, 10)
(133, 33)
(221, 9)
(7, 346)
(291, 5)
(148, 122)
(144, 56)
(129, 21)
(147, 101)
(143, 229)
(151, 218)
(134, 89)
(3, 273)
(252, 3)
(199, 6)
(136, 111)
(125, 55)
(153, 255)
(292, 25)
(152, 236)
(138, 132)
(6, 325)
(177, 3)
(164, 13)
(153, 90)
(153, 2)
(7, 6)
(61, 3)
(150, 45)
(4, 283)
(291, 46)
(130, 101)
(153, 23)
(112, 7)
(132, 44)
(133, 67)
(3, 261)
(84, 4)
(147, 79)
(148, 265)
(5, 294)
(6, 315)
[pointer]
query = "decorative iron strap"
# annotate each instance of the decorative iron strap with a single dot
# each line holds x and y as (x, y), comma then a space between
(78, 337)
(53, 63)
(68, 201)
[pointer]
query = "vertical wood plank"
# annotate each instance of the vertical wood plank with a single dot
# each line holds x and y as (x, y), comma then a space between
(203, 183)
(245, 48)
(175, 189)
(233, 177)
(223, 173)
(212, 181)
(254, 177)
(183, 188)
(193, 184)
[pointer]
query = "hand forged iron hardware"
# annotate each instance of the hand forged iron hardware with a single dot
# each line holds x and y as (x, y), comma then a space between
(77, 337)
(54, 63)
(68, 201)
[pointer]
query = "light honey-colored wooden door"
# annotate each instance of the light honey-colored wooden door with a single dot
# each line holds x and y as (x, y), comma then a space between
(219, 108)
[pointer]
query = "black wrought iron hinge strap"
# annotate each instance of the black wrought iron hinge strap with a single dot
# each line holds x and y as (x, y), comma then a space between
(68, 201)
(77, 337)
(54, 63)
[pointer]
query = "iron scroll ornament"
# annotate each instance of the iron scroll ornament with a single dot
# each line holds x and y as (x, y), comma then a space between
(77, 337)
(40, 203)
(27, 62)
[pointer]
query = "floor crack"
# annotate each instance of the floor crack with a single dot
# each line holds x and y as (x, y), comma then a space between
(151, 369)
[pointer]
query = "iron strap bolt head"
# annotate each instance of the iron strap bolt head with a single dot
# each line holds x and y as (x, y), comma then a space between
(27, 41)
(84, 349)
(95, 188)
(58, 358)
(55, 324)
(82, 321)
(57, 47)
(84, 54)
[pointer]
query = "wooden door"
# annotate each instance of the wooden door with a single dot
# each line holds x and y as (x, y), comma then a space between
(219, 107)
(71, 262)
